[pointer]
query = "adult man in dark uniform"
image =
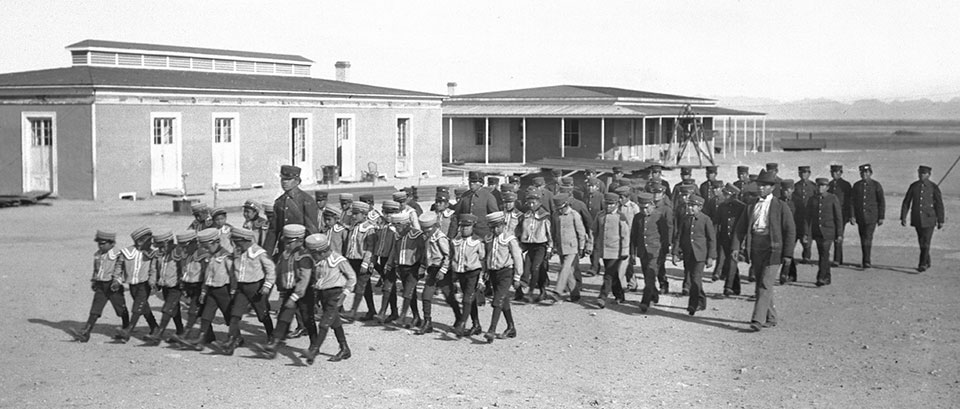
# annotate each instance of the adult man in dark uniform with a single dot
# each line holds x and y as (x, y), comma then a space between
(803, 190)
(478, 202)
(656, 176)
(706, 188)
(770, 235)
(925, 203)
(823, 220)
(294, 206)
(728, 242)
(788, 272)
(696, 243)
(615, 179)
(664, 206)
(743, 177)
(868, 206)
(841, 189)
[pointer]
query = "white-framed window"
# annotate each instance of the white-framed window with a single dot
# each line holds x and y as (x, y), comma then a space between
(571, 133)
(163, 129)
(480, 132)
(403, 137)
(41, 131)
(223, 128)
(298, 139)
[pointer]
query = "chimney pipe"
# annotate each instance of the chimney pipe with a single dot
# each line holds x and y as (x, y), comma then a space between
(342, 68)
(451, 88)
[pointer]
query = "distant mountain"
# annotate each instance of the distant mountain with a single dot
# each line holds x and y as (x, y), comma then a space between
(866, 109)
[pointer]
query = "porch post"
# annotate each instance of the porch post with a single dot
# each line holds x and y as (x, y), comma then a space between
(643, 137)
(744, 137)
(763, 136)
(603, 133)
(754, 134)
(724, 138)
(734, 144)
(524, 136)
(563, 150)
(486, 140)
(450, 140)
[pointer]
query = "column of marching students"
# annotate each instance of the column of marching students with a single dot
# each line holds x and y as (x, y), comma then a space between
(322, 258)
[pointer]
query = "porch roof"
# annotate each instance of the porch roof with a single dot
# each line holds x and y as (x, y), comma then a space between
(482, 110)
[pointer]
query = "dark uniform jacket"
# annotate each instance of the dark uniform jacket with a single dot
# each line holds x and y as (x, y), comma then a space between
(824, 217)
(696, 238)
(647, 234)
(803, 191)
(842, 189)
(866, 201)
(925, 203)
(781, 228)
(726, 220)
(478, 203)
(706, 190)
(293, 207)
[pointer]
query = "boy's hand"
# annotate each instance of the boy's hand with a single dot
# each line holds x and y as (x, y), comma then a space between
(115, 286)
(289, 303)
(93, 285)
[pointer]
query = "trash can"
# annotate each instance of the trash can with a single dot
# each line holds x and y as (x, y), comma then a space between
(331, 174)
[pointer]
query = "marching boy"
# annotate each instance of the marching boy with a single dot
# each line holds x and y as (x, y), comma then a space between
(436, 263)
(134, 266)
(695, 241)
(255, 274)
(467, 255)
(192, 262)
(405, 262)
(504, 262)
(334, 279)
(166, 268)
(253, 219)
(612, 244)
(647, 234)
(219, 284)
(106, 285)
(358, 253)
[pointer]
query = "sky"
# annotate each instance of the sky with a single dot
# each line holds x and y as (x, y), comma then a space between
(782, 50)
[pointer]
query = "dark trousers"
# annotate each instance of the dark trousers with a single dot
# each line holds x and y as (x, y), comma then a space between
(764, 269)
(409, 276)
(924, 237)
(446, 288)
(649, 263)
(171, 308)
(729, 270)
(217, 298)
(502, 282)
(838, 245)
(468, 284)
(693, 269)
(611, 279)
(389, 292)
(788, 271)
(329, 303)
(866, 239)
(806, 252)
(141, 305)
(823, 252)
(101, 295)
(247, 296)
(304, 307)
(364, 288)
(662, 266)
(533, 264)
(193, 302)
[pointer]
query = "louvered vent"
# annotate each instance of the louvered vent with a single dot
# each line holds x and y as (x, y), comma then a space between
(157, 61)
(79, 58)
(180, 62)
(130, 59)
(103, 58)
(284, 69)
(265, 67)
(223, 65)
(301, 70)
(246, 66)
(202, 64)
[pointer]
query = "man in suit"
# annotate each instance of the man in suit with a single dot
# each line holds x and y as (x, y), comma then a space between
(696, 242)
(478, 202)
(841, 189)
(294, 206)
(925, 204)
(823, 222)
(770, 236)
(867, 205)
(803, 190)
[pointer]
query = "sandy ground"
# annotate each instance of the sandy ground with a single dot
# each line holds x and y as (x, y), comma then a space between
(886, 337)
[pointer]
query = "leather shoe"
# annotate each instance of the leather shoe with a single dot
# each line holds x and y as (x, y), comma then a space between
(490, 336)
(391, 318)
(476, 330)
(643, 308)
(755, 326)
(714, 278)
(921, 269)
(369, 316)
(510, 332)
(297, 333)
(341, 355)
(601, 303)
(425, 327)
(728, 292)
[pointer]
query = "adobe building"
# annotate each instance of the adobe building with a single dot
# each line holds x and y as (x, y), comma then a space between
(129, 117)
(572, 121)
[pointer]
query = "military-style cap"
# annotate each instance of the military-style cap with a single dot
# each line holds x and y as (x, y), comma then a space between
(623, 190)
(556, 172)
(836, 168)
(495, 218)
(253, 205)
(163, 235)
(442, 197)
(267, 207)
(617, 169)
(654, 187)
(317, 241)
(753, 177)
(400, 218)
(593, 181)
(467, 220)
(508, 187)
(686, 188)
(866, 168)
(731, 190)
(538, 180)
(644, 197)
(741, 170)
(686, 170)
(533, 194)
(611, 198)
(346, 197)
(924, 169)
(289, 172)
(716, 184)
(366, 198)
(695, 200)
(823, 181)
(767, 178)
(773, 166)
(475, 177)
(561, 199)
(711, 169)
(655, 168)
(239, 233)
(787, 184)
(590, 171)
(186, 236)
(320, 195)
(751, 188)
(493, 180)
(199, 207)
(802, 169)
(509, 197)
(332, 210)
(208, 235)
(688, 181)
(138, 233)
(399, 196)
(105, 236)
(428, 219)
(389, 205)
(443, 189)
(566, 181)
(359, 207)
(218, 211)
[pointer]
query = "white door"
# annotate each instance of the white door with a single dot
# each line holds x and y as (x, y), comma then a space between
(165, 154)
(346, 149)
(226, 167)
(403, 146)
(300, 147)
(38, 162)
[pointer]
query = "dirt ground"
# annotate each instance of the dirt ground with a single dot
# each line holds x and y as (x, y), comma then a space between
(886, 337)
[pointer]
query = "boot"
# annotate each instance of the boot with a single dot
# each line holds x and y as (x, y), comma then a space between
(153, 338)
(196, 344)
(228, 346)
(310, 355)
(123, 336)
(341, 355)
(476, 329)
(459, 329)
(83, 335)
(425, 327)
(369, 316)
(269, 350)
(510, 332)
(490, 336)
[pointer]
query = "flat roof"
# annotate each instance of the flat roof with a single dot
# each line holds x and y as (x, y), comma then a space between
(582, 111)
(581, 92)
